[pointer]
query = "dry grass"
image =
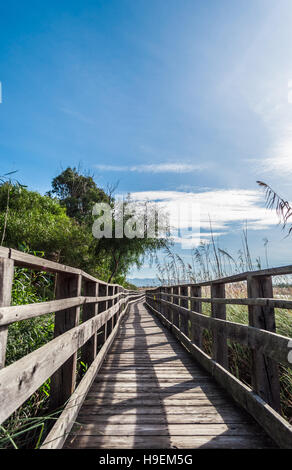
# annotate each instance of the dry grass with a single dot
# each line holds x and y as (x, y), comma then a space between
(240, 356)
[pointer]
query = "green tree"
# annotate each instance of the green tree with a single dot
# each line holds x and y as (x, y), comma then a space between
(41, 224)
(113, 257)
(78, 193)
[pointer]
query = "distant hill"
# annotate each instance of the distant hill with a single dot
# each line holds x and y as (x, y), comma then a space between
(144, 282)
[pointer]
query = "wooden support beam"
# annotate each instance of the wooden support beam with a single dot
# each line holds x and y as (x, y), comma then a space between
(220, 348)
(88, 352)
(6, 279)
(175, 290)
(64, 379)
(102, 333)
(265, 371)
(184, 322)
(196, 306)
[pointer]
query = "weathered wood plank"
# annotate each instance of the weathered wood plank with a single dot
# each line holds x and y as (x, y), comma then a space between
(277, 427)
(261, 301)
(271, 344)
(19, 380)
(64, 379)
(61, 429)
(265, 371)
(158, 405)
(219, 342)
(88, 351)
(6, 279)
(165, 442)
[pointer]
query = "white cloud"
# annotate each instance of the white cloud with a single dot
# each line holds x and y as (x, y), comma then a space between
(227, 209)
(153, 168)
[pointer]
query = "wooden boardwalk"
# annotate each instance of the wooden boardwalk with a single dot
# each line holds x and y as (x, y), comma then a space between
(150, 393)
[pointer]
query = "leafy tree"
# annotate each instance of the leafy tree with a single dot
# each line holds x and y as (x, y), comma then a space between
(113, 257)
(60, 223)
(40, 223)
(78, 193)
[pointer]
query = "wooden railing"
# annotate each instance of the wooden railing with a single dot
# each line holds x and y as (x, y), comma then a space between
(180, 308)
(103, 306)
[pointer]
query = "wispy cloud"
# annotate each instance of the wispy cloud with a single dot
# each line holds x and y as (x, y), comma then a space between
(153, 168)
(227, 210)
(77, 115)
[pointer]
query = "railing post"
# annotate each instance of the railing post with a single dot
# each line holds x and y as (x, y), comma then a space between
(118, 290)
(64, 379)
(170, 299)
(167, 308)
(265, 371)
(220, 348)
(109, 305)
(175, 290)
(102, 332)
(6, 279)
(88, 351)
(184, 290)
(161, 305)
(196, 306)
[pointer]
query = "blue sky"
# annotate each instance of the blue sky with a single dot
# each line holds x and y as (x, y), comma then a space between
(163, 95)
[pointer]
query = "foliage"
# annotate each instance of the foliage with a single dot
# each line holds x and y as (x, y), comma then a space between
(77, 193)
(25, 427)
(282, 206)
(108, 258)
(40, 223)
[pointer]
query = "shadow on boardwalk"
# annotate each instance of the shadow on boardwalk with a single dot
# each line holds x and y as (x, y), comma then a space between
(151, 394)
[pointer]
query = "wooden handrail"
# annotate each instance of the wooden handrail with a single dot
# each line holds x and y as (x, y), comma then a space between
(278, 271)
(103, 305)
(179, 308)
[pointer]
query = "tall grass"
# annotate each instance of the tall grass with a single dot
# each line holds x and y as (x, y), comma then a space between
(210, 261)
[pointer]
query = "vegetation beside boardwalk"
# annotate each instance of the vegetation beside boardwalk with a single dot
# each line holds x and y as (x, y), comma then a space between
(58, 226)
(209, 261)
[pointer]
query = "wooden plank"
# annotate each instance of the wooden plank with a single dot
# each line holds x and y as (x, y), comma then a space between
(95, 403)
(6, 280)
(61, 429)
(276, 427)
(139, 429)
(279, 271)
(15, 313)
(42, 264)
(191, 411)
(166, 442)
(145, 405)
(230, 417)
(20, 380)
(271, 344)
(262, 301)
(4, 252)
(265, 371)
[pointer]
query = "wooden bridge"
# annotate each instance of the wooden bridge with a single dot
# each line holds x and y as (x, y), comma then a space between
(149, 382)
